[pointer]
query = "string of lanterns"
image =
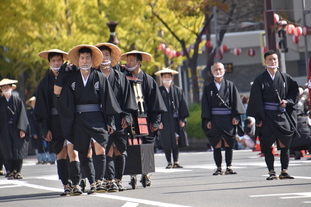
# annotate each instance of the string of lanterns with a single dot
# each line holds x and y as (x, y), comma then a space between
(222, 49)
(291, 29)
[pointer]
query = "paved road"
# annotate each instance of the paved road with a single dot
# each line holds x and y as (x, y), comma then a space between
(193, 185)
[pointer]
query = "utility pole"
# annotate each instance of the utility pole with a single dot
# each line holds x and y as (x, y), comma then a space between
(269, 25)
(305, 38)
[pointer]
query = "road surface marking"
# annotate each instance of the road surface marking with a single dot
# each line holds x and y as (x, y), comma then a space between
(103, 195)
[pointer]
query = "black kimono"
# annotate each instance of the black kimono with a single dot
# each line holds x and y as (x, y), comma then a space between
(214, 110)
(264, 106)
(46, 113)
(13, 119)
(93, 107)
(125, 97)
(153, 101)
(177, 110)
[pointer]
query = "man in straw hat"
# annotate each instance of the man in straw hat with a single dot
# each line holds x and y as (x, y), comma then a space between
(153, 104)
(117, 142)
(51, 127)
(221, 113)
(14, 130)
(171, 131)
(88, 92)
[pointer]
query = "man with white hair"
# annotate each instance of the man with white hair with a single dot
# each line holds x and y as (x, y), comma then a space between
(221, 116)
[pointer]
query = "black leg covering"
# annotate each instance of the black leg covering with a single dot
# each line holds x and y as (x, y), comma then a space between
(9, 165)
(74, 169)
(100, 166)
(175, 155)
(119, 166)
(88, 166)
(228, 156)
(269, 158)
(217, 156)
(284, 158)
(168, 155)
(1, 161)
(17, 165)
(110, 170)
(62, 170)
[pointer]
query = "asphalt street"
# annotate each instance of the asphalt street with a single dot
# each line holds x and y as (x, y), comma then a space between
(193, 185)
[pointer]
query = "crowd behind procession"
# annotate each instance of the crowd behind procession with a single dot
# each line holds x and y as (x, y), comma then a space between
(90, 106)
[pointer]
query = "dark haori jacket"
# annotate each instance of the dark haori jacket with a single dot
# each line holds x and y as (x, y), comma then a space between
(177, 110)
(124, 95)
(154, 103)
(44, 102)
(96, 91)
(13, 113)
(220, 107)
(266, 93)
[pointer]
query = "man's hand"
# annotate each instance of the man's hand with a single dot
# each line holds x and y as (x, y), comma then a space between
(161, 125)
(234, 121)
(110, 129)
(152, 128)
(48, 137)
(259, 125)
(124, 123)
(209, 125)
(22, 134)
(283, 103)
(181, 123)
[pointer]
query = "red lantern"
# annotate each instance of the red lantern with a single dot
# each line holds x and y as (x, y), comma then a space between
(223, 48)
(298, 31)
(276, 18)
(305, 31)
(283, 22)
(295, 39)
(251, 52)
(172, 54)
(237, 51)
(209, 44)
(290, 29)
(161, 47)
(167, 51)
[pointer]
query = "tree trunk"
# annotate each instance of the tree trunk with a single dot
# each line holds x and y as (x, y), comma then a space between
(21, 84)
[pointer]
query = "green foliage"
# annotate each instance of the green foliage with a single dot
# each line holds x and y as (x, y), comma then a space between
(193, 126)
(32, 26)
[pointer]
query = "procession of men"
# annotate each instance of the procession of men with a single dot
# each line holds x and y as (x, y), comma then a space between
(92, 113)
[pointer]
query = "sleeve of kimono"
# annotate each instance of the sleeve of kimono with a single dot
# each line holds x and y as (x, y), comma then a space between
(293, 92)
(255, 105)
(41, 108)
(65, 106)
(128, 100)
(183, 111)
(155, 104)
(206, 115)
(237, 104)
(23, 123)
